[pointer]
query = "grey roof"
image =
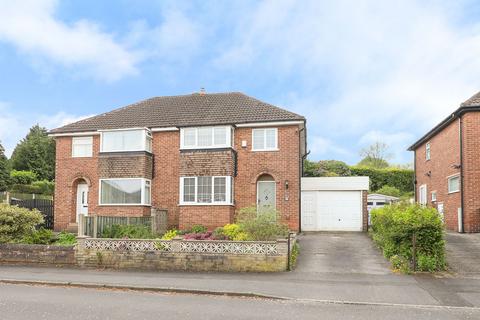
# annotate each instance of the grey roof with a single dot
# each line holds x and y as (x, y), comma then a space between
(474, 101)
(187, 110)
(472, 104)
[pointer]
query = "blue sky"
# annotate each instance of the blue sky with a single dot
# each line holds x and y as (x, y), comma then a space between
(360, 71)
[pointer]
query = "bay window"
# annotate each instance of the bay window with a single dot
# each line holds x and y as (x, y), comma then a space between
(125, 191)
(206, 137)
(126, 140)
(206, 190)
(265, 139)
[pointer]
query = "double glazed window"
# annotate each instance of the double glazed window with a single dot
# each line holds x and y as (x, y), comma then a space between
(126, 140)
(264, 139)
(82, 147)
(453, 184)
(206, 190)
(126, 191)
(427, 151)
(206, 137)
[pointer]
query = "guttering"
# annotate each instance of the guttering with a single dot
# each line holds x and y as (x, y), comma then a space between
(164, 129)
(269, 124)
(72, 134)
(445, 122)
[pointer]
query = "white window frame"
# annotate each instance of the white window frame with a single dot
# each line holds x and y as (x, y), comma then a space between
(228, 192)
(421, 200)
(449, 178)
(146, 146)
(428, 151)
(74, 139)
(265, 139)
(227, 144)
(434, 196)
(144, 201)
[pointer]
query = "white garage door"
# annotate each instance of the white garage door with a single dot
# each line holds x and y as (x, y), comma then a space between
(331, 210)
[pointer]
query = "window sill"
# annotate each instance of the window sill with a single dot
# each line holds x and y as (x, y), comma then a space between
(125, 205)
(450, 192)
(265, 150)
(80, 157)
(184, 204)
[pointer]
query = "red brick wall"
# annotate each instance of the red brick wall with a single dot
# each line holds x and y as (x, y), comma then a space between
(209, 216)
(471, 167)
(166, 181)
(282, 165)
(206, 163)
(445, 152)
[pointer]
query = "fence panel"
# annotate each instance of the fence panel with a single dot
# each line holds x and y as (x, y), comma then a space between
(95, 225)
(45, 206)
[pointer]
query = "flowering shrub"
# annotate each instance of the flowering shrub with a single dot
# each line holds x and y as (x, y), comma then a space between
(199, 236)
(170, 234)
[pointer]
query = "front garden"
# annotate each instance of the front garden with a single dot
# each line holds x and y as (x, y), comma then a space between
(410, 236)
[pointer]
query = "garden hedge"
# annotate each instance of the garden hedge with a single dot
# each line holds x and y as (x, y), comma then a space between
(393, 227)
(401, 179)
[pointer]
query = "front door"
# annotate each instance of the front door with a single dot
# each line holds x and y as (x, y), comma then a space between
(266, 197)
(82, 200)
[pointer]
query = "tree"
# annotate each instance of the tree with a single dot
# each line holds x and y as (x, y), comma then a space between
(4, 174)
(35, 152)
(375, 156)
(309, 168)
(332, 168)
(389, 191)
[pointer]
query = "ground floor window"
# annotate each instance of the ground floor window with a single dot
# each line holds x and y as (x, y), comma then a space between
(206, 190)
(125, 191)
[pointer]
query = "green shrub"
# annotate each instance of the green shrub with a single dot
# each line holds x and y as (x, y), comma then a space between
(40, 236)
(44, 186)
(393, 227)
(198, 229)
(16, 223)
(231, 230)
(389, 191)
(170, 234)
(294, 255)
(401, 264)
(263, 226)
(130, 231)
(429, 263)
(22, 177)
(25, 188)
(402, 179)
(66, 239)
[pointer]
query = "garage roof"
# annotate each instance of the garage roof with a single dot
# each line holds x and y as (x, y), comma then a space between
(335, 183)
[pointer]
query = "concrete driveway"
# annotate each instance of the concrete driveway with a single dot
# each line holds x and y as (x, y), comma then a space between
(340, 253)
(463, 254)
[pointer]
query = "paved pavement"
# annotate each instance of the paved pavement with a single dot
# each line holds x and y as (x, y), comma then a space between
(19, 302)
(463, 254)
(332, 267)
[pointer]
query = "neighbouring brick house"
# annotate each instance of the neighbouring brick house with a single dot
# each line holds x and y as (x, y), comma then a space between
(200, 156)
(447, 167)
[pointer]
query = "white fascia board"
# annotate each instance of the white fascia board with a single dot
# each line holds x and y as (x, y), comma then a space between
(335, 183)
(164, 129)
(124, 129)
(74, 134)
(268, 124)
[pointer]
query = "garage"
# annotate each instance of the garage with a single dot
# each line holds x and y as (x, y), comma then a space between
(334, 204)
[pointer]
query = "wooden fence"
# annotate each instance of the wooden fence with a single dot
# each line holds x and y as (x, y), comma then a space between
(94, 225)
(43, 205)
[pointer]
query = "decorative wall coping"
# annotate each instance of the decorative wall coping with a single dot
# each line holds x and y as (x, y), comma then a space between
(269, 248)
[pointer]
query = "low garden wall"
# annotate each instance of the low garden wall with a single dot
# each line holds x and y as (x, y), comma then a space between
(187, 255)
(37, 254)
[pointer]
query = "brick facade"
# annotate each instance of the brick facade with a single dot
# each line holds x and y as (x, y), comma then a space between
(168, 164)
(445, 162)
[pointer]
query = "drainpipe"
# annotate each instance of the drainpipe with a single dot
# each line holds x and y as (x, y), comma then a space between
(302, 159)
(462, 200)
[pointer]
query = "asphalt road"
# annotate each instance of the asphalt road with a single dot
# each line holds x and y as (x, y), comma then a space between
(18, 302)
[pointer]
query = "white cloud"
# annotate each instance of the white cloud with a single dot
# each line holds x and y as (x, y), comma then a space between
(321, 146)
(363, 66)
(14, 126)
(33, 28)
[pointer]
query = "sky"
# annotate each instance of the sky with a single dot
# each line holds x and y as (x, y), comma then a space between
(360, 71)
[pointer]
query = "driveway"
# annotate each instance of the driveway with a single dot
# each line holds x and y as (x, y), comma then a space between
(463, 254)
(340, 253)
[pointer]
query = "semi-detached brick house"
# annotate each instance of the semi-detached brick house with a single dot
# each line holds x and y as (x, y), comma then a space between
(447, 167)
(200, 156)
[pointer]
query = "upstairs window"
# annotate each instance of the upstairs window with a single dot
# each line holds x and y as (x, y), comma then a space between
(453, 184)
(434, 196)
(206, 190)
(265, 139)
(82, 147)
(126, 140)
(427, 151)
(206, 137)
